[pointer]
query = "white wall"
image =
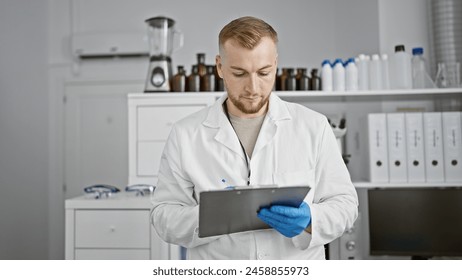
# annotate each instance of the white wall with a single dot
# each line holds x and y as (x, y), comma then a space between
(404, 23)
(356, 28)
(23, 130)
(201, 20)
(309, 30)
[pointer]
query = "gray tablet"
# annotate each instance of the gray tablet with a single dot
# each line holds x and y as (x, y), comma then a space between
(230, 211)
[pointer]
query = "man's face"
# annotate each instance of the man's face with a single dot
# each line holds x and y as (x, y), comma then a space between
(248, 76)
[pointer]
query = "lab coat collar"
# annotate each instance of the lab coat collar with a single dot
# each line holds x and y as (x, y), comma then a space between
(278, 109)
(216, 118)
(277, 112)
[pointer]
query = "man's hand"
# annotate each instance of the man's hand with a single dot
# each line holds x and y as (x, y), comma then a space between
(289, 221)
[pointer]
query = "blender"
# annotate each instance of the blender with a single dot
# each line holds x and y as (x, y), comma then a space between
(161, 36)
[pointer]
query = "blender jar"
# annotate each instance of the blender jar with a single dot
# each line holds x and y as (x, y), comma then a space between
(161, 36)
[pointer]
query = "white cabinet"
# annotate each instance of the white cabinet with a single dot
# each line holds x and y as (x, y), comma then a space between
(150, 118)
(117, 227)
(95, 141)
(111, 228)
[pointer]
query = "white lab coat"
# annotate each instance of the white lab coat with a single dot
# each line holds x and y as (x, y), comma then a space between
(296, 146)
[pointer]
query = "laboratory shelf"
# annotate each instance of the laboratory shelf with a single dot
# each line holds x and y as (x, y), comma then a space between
(114, 201)
(317, 93)
(394, 92)
(371, 185)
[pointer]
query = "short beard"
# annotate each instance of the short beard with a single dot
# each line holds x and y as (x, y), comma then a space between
(248, 110)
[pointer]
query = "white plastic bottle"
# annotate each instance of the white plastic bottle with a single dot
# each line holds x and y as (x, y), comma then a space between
(338, 75)
(375, 73)
(326, 76)
(401, 69)
(351, 75)
(420, 77)
(363, 72)
(385, 72)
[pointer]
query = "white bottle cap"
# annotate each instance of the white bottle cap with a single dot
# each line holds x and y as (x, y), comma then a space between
(362, 57)
(384, 56)
(368, 57)
(375, 57)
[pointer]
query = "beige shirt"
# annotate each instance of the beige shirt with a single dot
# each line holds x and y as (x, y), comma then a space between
(247, 131)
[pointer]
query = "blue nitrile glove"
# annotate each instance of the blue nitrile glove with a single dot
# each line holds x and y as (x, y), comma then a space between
(289, 221)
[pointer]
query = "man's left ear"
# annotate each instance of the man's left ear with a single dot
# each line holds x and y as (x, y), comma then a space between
(218, 65)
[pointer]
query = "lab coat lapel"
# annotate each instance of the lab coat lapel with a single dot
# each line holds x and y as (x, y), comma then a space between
(228, 137)
(225, 134)
(277, 112)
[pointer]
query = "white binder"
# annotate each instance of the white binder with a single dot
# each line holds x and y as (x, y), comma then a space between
(397, 162)
(378, 150)
(452, 146)
(434, 163)
(415, 148)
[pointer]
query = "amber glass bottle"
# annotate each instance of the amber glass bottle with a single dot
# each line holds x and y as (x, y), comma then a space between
(208, 80)
(179, 80)
(302, 79)
(315, 80)
(201, 67)
(291, 82)
(194, 80)
(281, 80)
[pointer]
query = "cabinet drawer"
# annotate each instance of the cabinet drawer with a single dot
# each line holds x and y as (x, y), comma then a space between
(112, 229)
(112, 254)
(155, 122)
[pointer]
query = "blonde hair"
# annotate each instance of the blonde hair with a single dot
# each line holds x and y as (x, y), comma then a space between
(247, 32)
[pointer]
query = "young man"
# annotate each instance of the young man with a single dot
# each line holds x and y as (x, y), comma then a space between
(251, 137)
